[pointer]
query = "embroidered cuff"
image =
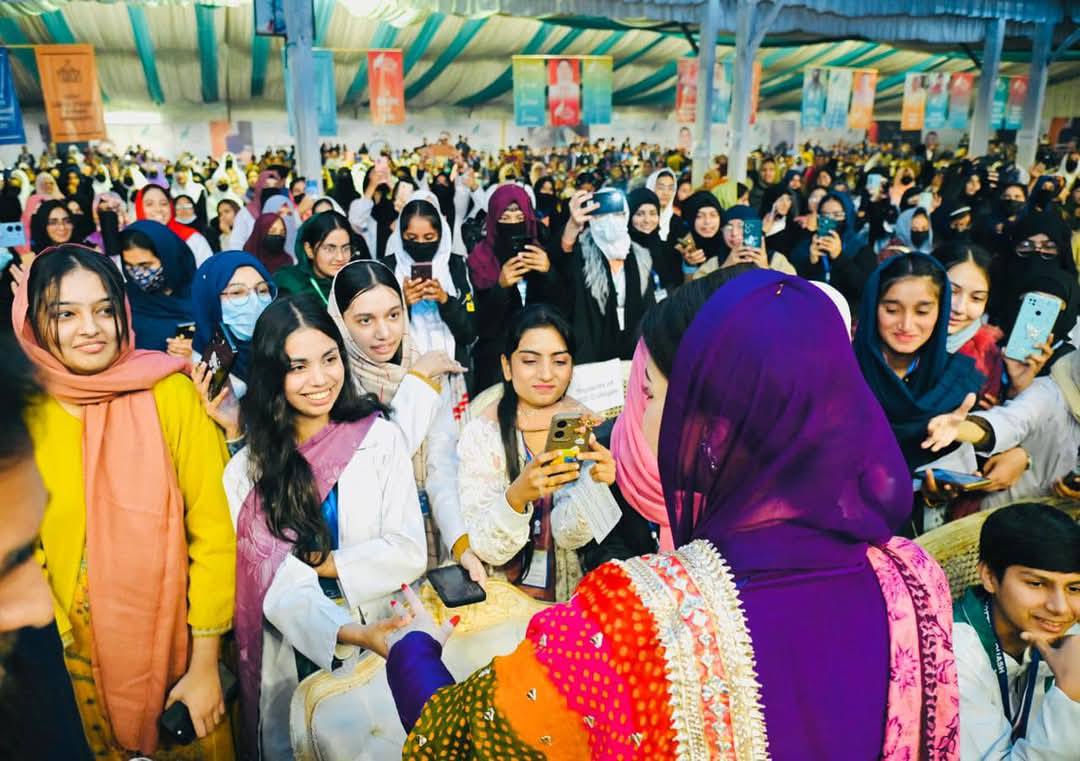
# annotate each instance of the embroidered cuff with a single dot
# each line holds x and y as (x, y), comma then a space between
(215, 631)
(433, 383)
(459, 547)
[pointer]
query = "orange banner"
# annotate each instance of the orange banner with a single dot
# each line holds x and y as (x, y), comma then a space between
(913, 109)
(755, 91)
(69, 86)
(686, 91)
(387, 78)
(863, 90)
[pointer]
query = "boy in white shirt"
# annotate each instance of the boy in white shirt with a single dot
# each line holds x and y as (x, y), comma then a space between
(1014, 635)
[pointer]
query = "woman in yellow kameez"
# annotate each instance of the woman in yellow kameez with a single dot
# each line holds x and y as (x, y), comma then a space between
(136, 543)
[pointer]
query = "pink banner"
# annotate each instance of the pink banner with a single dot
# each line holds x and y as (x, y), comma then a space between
(564, 91)
(387, 82)
(686, 91)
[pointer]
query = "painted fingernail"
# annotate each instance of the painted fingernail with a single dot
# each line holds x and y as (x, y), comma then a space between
(404, 587)
(393, 603)
(455, 620)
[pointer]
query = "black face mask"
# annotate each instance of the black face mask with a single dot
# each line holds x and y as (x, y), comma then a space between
(223, 186)
(919, 237)
(267, 194)
(101, 178)
(129, 181)
(907, 179)
(1071, 164)
(274, 244)
(545, 202)
(421, 252)
(1012, 207)
(298, 197)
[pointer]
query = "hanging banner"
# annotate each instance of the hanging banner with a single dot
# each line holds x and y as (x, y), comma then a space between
(686, 91)
(836, 105)
(69, 86)
(913, 111)
(564, 91)
(863, 91)
(960, 88)
(1001, 99)
(937, 100)
(1014, 107)
(530, 81)
(755, 91)
(723, 77)
(387, 83)
(596, 90)
(813, 98)
(325, 95)
(11, 123)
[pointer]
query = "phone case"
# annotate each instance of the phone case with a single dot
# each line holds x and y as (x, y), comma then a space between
(420, 271)
(825, 226)
(962, 481)
(751, 236)
(11, 235)
(1036, 319)
(454, 586)
(185, 330)
(563, 432)
(219, 357)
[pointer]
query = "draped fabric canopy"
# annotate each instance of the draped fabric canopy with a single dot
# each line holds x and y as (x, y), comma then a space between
(457, 52)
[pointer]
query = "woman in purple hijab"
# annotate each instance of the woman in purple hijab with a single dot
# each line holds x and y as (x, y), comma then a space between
(789, 623)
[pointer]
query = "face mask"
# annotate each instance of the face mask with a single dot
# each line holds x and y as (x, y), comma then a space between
(919, 237)
(129, 181)
(223, 186)
(1071, 164)
(274, 244)
(298, 197)
(148, 279)
(101, 178)
(241, 319)
(907, 179)
(545, 202)
(420, 252)
(1012, 208)
(504, 231)
(611, 235)
(185, 220)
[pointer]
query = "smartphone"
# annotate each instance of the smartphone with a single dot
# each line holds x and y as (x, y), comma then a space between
(219, 357)
(611, 201)
(110, 232)
(751, 233)
(687, 242)
(825, 225)
(455, 587)
(421, 271)
(519, 242)
(311, 188)
(175, 723)
(962, 481)
(185, 330)
(12, 235)
(564, 433)
(926, 200)
(1038, 313)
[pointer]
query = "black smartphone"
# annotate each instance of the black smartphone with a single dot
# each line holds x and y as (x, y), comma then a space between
(219, 357)
(175, 723)
(611, 201)
(420, 271)
(185, 330)
(519, 242)
(110, 232)
(454, 586)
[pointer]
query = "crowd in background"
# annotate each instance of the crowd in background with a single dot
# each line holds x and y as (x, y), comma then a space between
(400, 342)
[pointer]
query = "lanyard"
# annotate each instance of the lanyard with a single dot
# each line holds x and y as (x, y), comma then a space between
(1019, 720)
(325, 301)
(827, 265)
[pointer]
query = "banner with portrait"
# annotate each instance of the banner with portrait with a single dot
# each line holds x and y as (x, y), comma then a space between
(913, 110)
(961, 86)
(813, 98)
(1014, 106)
(937, 100)
(69, 87)
(564, 91)
(530, 84)
(863, 93)
(387, 82)
(686, 91)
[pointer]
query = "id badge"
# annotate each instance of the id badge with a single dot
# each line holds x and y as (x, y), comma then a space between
(660, 294)
(538, 571)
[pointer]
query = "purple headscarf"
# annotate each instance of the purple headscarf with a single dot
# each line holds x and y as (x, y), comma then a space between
(773, 448)
(484, 263)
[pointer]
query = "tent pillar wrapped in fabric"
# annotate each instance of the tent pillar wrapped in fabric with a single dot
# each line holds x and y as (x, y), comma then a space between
(710, 26)
(1027, 140)
(298, 52)
(981, 120)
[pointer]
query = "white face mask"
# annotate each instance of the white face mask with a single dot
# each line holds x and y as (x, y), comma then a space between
(612, 235)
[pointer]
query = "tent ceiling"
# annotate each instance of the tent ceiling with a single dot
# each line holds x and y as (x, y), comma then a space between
(207, 54)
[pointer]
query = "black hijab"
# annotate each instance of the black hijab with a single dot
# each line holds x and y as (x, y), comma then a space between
(691, 207)
(635, 199)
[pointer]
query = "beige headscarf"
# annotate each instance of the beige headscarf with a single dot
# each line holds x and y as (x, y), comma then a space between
(1066, 373)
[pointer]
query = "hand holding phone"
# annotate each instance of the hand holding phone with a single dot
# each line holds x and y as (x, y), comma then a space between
(752, 233)
(219, 357)
(1038, 313)
(455, 587)
(421, 271)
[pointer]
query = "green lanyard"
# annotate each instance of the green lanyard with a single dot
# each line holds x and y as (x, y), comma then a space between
(325, 301)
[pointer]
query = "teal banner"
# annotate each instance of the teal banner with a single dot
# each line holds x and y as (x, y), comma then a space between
(595, 91)
(1001, 97)
(530, 97)
(723, 83)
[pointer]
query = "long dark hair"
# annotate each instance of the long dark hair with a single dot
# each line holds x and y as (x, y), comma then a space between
(359, 277)
(957, 252)
(321, 225)
(911, 265)
(276, 467)
(44, 289)
(39, 225)
(535, 316)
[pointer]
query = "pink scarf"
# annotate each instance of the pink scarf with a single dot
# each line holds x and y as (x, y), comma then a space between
(636, 469)
(259, 554)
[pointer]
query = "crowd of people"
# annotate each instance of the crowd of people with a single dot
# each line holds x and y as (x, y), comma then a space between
(254, 416)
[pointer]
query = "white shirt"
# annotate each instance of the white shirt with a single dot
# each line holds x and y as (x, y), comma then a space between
(243, 226)
(1053, 732)
(382, 545)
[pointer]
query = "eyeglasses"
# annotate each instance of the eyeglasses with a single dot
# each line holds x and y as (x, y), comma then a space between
(836, 216)
(1044, 250)
(238, 295)
(65, 222)
(336, 251)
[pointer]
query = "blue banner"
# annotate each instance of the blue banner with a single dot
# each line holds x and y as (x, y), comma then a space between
(325, 92)
(530, 92)
(11, 123)
(723, 83)
(813, 98)
(596, 90)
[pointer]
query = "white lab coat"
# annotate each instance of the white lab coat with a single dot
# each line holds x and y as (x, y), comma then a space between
(381, 546)
(1053, 732)
(363, 224)
(243, 226)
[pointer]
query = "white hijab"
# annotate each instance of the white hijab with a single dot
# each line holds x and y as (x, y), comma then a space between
(666, 212)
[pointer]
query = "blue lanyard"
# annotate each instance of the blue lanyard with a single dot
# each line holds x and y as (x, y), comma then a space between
(330, 515)
(828, 268)
(1019, 720)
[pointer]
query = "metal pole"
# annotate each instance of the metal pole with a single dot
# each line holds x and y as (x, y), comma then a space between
(703, 116)
(1027, 140)
(984, 103)
(299, 23)
(745, 50)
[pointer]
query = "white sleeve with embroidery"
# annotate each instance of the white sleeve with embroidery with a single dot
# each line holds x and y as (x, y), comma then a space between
(496, 530)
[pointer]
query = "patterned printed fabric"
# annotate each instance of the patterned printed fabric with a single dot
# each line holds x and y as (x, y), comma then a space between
(652, 659)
